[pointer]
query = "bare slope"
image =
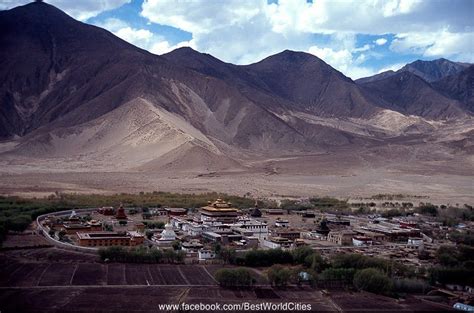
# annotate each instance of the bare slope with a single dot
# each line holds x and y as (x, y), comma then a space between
(459, 86)
(409, 94)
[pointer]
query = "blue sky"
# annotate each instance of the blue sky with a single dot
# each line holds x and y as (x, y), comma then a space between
(357, 37)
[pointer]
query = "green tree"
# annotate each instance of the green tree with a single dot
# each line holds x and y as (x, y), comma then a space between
(301, 253)
(316, 262)
(279, 275)
(227, 255)
(372, 280)
(240, 277)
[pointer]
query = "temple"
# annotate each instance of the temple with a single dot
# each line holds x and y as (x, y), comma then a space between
(219, 211)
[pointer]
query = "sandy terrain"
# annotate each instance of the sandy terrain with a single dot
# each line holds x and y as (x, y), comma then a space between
(443, 188)
(142, 147)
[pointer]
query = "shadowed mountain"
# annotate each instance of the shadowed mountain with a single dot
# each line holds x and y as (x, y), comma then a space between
(409, 94)
(301, 81)
(459, 86)
(60, 78)
(434, 70)
(430, 71)
(75, 91)
(375, 77)
(51, 64)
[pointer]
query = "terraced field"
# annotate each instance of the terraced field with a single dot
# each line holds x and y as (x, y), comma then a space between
(44, 280)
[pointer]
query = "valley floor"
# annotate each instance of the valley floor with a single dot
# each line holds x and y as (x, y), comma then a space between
(439, 188)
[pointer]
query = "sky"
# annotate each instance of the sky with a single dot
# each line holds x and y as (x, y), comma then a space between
(357, 37)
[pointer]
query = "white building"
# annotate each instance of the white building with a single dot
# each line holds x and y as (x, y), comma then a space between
(360, 241)
(282, 223)
(206, 254)
(415, 243)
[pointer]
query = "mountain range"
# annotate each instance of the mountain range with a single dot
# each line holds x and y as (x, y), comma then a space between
(75, 92)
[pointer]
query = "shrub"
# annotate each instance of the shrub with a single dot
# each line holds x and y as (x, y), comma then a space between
(427, 209)
(279, 275)
(228, 255)
(315, 262)
(301, 253)
(19, 223)
(452, 275)
(410, 285)
(256, 257)
(359, 261)
(372, 280)
(342, 274)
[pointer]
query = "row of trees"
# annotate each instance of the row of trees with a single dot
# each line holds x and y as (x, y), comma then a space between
(304, 264)
(140, 255)
(238, 277)
(326, 204)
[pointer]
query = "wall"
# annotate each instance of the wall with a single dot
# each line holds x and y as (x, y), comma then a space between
(43, 231)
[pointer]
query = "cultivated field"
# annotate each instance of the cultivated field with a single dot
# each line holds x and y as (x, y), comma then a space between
(54, 280)
(95, 274)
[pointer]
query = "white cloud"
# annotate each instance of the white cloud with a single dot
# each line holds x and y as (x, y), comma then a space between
(162, 47)
(142, 38)
(343, 60)
(81, 10)
(396, 7)
(244, 31)
(380, 41)
(436, 44)
(392, 67)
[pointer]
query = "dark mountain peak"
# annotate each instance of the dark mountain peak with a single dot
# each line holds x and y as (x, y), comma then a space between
(408, 93)
(433, 70)
(184, 51)
(37, 10)
(289, 57)
(459, 86)
(202, 62)
(188, 54)
(430, 71)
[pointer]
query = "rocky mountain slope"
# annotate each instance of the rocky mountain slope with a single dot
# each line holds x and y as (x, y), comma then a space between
(74, 92)
(409, 94)
(429, 71)
(459, 86)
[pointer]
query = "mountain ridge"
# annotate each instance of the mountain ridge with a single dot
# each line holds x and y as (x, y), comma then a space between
(74, 91)
(430, 71)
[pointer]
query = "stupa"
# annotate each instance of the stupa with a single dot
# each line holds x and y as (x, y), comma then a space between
(121, 213)
(167, 236)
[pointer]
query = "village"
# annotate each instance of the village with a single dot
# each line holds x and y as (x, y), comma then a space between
(332, 254)
(201, 232)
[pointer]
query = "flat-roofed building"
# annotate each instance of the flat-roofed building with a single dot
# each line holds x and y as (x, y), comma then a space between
(360, 241)
(176, 211)
(277, 242)
(342, 238)
(104, 239)
(282, 223)
(91, 226)
(290, 234)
